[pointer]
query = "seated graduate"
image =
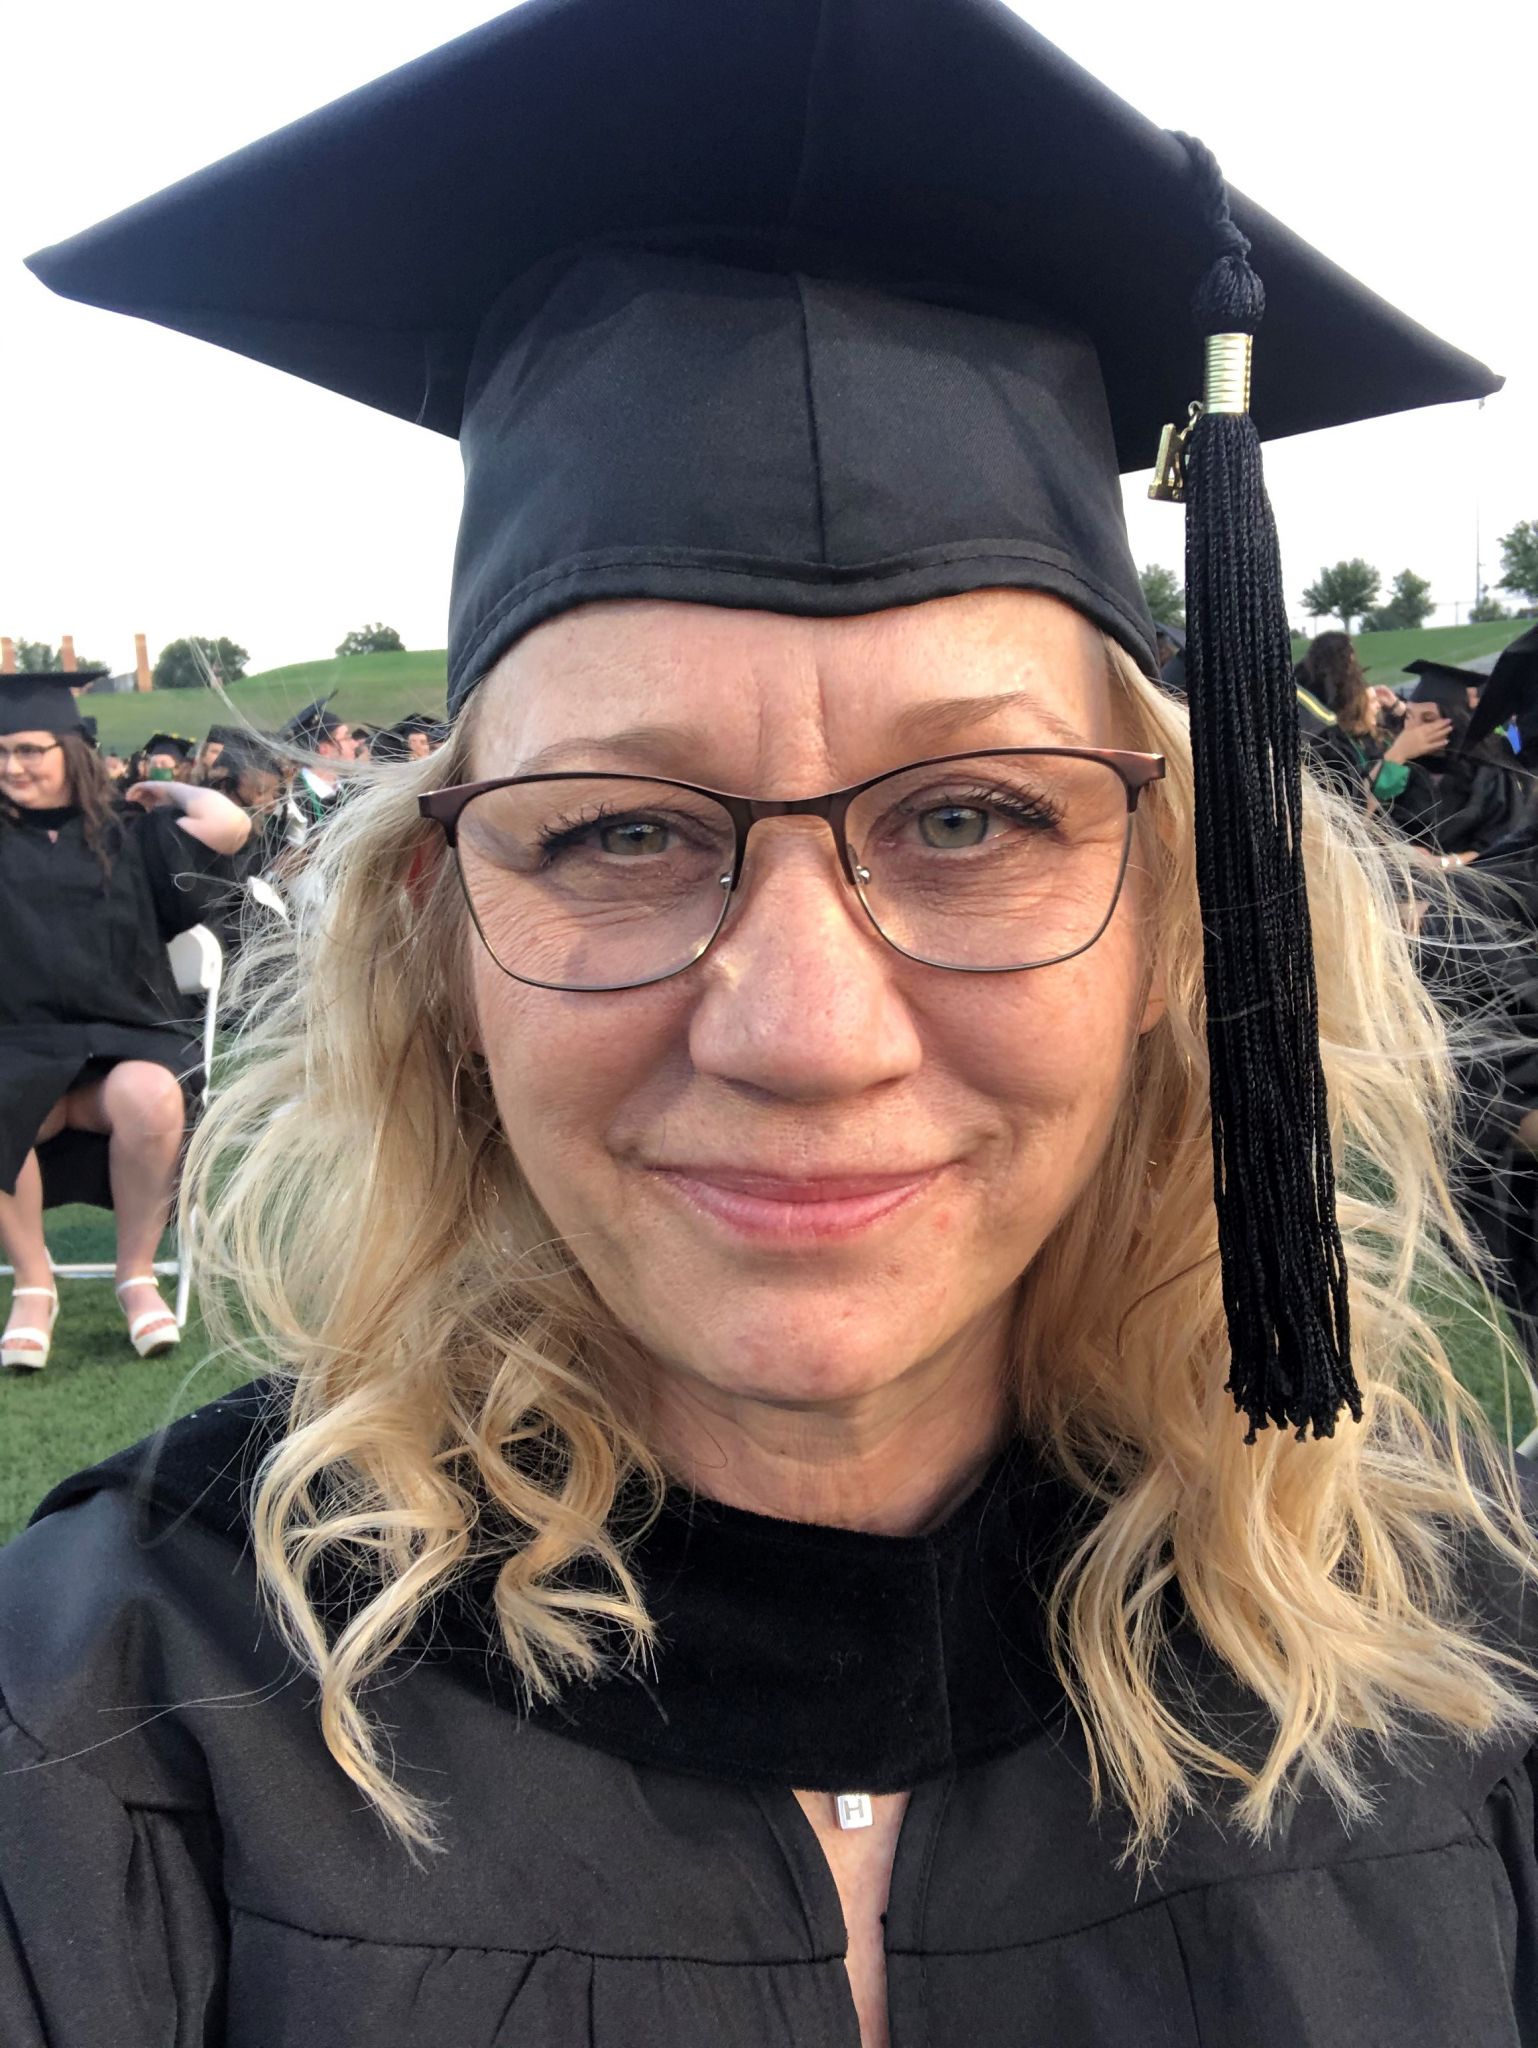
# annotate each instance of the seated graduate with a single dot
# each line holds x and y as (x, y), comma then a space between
(762, 1185)
(1372, 750)
(93, 1032)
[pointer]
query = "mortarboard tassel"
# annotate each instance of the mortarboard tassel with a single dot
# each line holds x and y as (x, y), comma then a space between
(1283, 1264)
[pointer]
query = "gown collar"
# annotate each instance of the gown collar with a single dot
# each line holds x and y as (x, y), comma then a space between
(833, 1660)
(52, 820)
(787, 1654)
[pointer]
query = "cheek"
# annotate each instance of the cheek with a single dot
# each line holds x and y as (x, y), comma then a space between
(566, 1068)
(1057, 1038)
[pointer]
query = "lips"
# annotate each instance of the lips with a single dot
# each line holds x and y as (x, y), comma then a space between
(790, 1209)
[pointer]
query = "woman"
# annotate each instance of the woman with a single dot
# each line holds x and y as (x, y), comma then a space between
(1363, 746)
(92, 1032)
(744, 1535)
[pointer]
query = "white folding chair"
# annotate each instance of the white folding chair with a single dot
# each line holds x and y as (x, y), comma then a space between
(197, 964)
(197, 961)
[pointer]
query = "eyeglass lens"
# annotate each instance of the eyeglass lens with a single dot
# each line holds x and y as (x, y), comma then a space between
(990, 863)
(27, 755)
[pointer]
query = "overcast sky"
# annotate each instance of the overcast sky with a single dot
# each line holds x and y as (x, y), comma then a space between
(152, 483)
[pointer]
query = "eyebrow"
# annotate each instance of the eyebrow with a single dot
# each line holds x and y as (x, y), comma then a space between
(931, 724)
(943, 717)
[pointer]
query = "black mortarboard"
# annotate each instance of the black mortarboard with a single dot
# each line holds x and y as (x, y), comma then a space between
(1445, 685)
(310, 725)
(221, 735)
(246, 748)
(828, 306)
(1510, 691)
(32, 701)
(169, 743)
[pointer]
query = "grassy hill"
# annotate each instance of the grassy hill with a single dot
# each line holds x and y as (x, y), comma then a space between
(375, 688)
(379, 688)
(1384, 655)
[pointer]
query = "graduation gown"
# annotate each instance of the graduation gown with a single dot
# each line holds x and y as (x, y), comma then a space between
(182, 1865)
(86, 978)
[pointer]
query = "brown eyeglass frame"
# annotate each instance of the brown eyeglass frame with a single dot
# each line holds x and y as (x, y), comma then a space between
(1136, 771)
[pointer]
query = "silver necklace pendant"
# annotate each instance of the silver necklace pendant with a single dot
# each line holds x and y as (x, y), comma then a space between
(853, 1809)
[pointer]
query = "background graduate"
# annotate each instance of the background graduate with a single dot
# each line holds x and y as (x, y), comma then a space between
(93, 1033)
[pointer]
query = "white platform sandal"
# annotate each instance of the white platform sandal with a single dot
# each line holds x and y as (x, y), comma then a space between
(157, 1330)
(25, 1348)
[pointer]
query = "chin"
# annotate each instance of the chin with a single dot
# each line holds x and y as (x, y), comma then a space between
(796, 1352)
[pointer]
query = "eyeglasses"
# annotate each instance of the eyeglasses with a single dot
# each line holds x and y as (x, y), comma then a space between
(983, 863)
(27, 755)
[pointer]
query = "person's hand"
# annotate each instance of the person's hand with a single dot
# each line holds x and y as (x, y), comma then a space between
(157, 795)
(1426, 731)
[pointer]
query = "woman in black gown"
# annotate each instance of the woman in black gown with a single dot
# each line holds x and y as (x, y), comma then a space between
(93, 1034)
(743, 1537)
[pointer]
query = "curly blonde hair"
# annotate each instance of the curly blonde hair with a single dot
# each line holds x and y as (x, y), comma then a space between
(455, 1389)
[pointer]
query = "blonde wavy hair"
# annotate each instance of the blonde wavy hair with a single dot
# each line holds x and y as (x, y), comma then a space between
(456, 1391)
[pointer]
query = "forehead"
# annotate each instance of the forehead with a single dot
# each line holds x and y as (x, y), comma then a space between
(765, 687)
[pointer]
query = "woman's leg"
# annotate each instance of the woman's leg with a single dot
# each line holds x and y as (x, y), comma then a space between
(140, 1108)
(21, 1232)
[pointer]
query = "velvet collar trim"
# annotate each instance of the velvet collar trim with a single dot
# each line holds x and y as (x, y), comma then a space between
(831, 1659)
(51, 820)
(787, 1654)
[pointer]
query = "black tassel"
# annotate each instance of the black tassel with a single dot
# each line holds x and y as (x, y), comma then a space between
(1283, 1264)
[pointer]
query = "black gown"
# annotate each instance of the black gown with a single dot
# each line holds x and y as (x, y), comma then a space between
(182, 1865)
(86, 981)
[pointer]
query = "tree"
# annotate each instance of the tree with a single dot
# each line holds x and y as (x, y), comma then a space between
(38, 658)
(185, 664)
(373, 640)
(1162, 594)
(1519, 560)
(1487, 611)
(1410, 604)
(1348, 589)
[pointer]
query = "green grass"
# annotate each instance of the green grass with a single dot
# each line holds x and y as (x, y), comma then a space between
(95, 1396)
(375, 688)
(379, 688)
(1384, 655)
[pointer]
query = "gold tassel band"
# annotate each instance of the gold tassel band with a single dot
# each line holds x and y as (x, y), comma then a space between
(1228, 372)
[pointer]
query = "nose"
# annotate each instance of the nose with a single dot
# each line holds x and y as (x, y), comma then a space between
(799, 996)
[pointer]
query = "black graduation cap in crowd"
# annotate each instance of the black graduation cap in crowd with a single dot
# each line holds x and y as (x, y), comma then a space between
(827, 306)
(311, 725)
(221, 735)
(82, 678)
(246, 748)
(36, 701)
(168, 743)
(1444, 684)
(1510, 691)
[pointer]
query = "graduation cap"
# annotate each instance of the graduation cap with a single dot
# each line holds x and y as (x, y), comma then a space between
(247, 749)
(823, 307)
(169, 743)
(311, 725)
(221, 735)
(35, 701)
(1445, 684)
(1510, 691)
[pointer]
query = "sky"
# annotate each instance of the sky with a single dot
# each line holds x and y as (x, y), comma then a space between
(154, 484)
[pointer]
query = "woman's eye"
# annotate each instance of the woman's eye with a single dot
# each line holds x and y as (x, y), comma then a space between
(953, 825)
(634, 835)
